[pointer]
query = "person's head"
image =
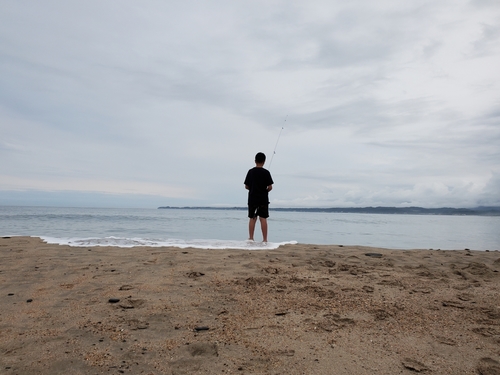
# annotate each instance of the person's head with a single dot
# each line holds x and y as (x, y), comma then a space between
(260, 158)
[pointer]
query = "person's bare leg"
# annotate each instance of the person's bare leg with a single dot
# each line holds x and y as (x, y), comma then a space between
(263, 226)
(251, 228)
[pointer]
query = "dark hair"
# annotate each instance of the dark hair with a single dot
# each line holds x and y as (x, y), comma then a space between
(260, 158)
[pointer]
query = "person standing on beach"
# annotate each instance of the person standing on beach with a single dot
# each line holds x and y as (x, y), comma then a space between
(259, 183)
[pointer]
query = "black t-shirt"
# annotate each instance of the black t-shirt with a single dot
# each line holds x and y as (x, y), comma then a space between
(258, 179)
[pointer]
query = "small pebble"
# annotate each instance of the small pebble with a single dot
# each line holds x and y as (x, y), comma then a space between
(197, 329)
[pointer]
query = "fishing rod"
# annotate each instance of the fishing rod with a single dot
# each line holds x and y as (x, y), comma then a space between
(274, 152)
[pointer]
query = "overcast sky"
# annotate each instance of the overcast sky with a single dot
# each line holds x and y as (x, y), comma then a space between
(152, 103)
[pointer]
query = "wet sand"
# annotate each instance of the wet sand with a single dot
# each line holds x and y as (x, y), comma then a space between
(300, 309)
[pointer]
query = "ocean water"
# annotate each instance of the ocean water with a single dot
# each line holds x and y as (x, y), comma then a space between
(219, 229)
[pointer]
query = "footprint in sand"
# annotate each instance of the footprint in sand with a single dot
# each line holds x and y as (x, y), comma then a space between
(422, 289)
(126, 287)
(479, 269)
(195, 274)
(203, 349)
(414, 365)
(488, 366)
(446, 341)
(136, 324)
(130, 303)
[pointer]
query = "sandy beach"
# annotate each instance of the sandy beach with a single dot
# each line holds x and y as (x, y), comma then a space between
(300, 309)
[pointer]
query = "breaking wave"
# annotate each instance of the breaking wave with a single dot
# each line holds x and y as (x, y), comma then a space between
(135, 242)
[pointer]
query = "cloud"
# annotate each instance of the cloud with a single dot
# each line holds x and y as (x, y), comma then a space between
(488, 42)
(388, 103)
(97, 186)
(490, 195)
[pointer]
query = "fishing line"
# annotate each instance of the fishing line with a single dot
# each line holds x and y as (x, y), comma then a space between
(274, 152)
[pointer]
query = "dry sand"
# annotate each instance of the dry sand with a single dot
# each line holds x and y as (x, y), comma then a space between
(300, 309)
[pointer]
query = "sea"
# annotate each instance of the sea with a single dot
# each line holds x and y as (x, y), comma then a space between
(228, 229)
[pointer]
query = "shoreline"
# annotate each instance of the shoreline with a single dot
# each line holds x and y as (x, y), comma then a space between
(316, 309)
(200, 244)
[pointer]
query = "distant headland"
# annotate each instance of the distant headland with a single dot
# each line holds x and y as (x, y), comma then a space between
(477, 211)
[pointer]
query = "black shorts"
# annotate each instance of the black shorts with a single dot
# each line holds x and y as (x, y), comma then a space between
(261, 211)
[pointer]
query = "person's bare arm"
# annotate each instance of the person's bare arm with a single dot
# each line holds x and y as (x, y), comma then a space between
(247, 187)
(269, 188)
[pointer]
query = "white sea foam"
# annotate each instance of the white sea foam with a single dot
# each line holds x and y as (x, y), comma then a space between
(134, 242)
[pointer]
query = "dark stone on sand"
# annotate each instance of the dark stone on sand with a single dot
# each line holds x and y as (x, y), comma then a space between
(201, 328)
(10, 294)
(29, 300)
(126, 287)
(281, 313)
(114, 300)
(374, 255)
(6, 238)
